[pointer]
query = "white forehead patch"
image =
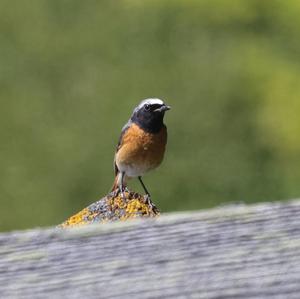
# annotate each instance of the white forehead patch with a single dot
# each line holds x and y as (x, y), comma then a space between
(151, 102)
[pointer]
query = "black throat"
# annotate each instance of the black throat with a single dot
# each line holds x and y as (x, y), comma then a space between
(151, 123)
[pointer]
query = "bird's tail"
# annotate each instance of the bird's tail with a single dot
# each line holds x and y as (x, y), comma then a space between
(115, 185)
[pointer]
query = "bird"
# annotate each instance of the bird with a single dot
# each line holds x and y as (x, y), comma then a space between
(141, 145)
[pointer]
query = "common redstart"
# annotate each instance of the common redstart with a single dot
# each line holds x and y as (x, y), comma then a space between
(142, 144)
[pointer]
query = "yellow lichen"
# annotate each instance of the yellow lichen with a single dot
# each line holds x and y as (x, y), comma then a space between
(113, 207)
(135, 208)
(77, 219)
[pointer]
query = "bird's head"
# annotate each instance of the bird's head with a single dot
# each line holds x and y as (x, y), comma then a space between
(149, 114)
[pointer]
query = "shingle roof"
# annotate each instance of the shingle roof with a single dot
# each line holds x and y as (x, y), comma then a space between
(227, 252)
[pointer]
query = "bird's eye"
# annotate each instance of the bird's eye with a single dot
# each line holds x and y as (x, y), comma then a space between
(147, 107)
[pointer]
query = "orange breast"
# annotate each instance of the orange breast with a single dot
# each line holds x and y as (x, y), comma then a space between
(141, 151)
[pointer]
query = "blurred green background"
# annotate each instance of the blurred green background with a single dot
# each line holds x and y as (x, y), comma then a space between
(71, 72)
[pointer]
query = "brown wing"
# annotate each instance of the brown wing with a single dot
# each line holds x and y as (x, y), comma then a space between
(124, 129)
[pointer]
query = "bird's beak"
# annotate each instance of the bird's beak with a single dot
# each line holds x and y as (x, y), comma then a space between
(163, 108)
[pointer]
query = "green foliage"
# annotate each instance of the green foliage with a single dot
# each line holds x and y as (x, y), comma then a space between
(72, 71)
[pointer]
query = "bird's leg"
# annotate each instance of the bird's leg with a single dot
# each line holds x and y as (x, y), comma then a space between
(122, 185)
(144, 187)
(148, 197)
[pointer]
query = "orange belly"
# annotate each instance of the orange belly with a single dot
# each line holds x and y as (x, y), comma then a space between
(140, 151)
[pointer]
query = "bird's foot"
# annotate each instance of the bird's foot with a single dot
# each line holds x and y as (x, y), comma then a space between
(123, 193)
(150, 203)
(120, 191)
(115, 192)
